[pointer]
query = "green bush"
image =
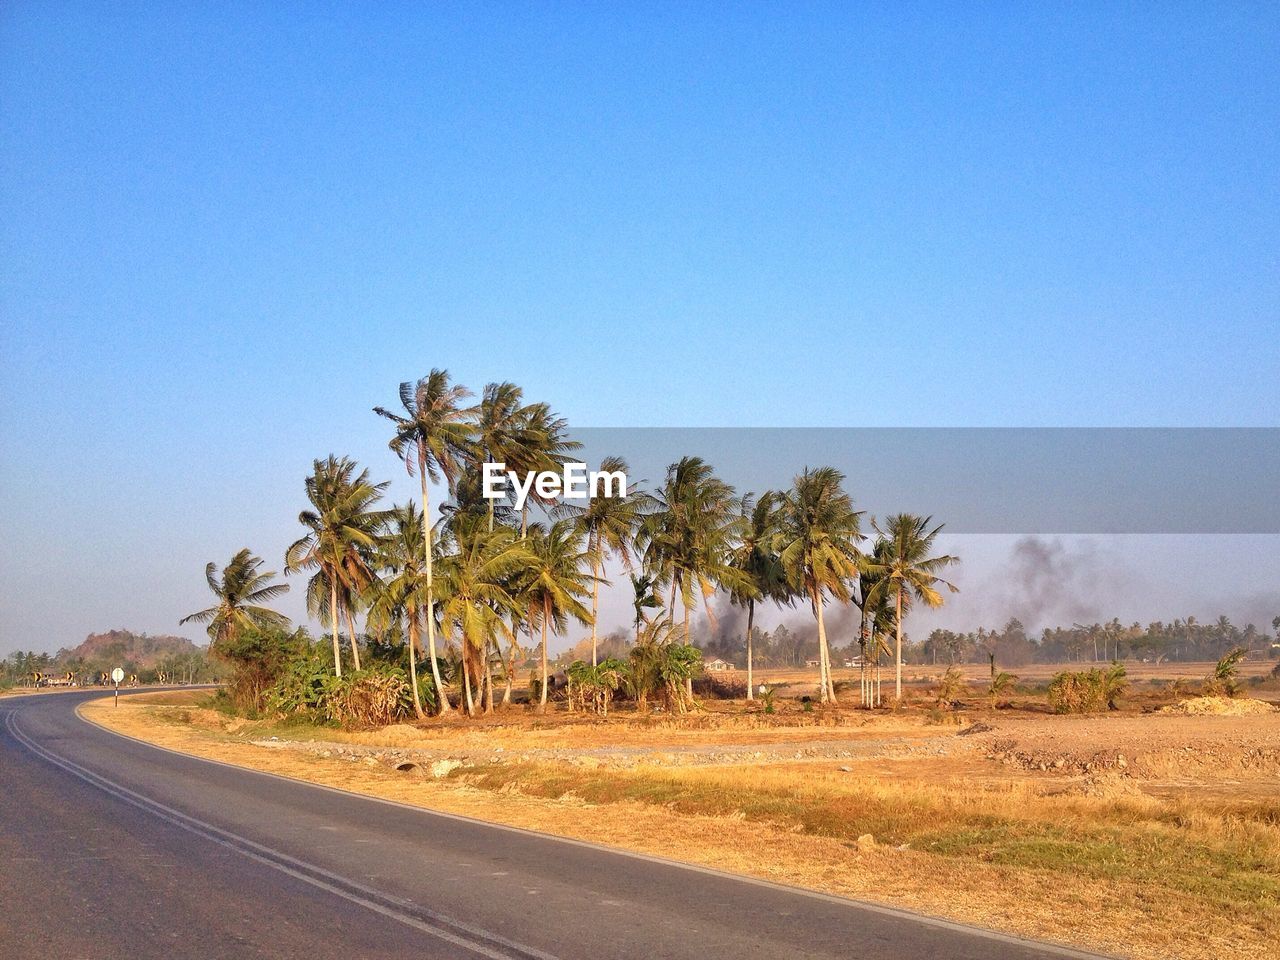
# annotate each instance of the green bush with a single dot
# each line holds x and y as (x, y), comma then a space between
(1088, 691)
(1225, 679)
(375, 696)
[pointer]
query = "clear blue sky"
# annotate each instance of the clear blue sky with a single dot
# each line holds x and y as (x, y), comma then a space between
(228, 230)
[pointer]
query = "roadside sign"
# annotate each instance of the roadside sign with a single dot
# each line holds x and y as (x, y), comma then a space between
(117, 674)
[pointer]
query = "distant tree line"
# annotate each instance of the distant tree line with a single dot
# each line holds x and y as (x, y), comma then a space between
(1179, 640)
(19, 668)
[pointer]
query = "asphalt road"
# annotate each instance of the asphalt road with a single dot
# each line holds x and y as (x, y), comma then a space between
(110, 848)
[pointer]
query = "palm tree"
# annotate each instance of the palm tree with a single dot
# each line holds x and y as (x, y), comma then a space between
(475, 592)
(875, 620)
(405, 589)
(908, 572)
(756, 558)
(343, 537)
(607, 523)
(662, 666)
(556, 583)
(645, 598)
(685, 538)
(241, 589)
(504, 432)
(820, 530)
(543, 444)
(433, 437)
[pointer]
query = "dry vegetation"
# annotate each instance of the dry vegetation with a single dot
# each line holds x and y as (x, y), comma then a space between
(1123, 832)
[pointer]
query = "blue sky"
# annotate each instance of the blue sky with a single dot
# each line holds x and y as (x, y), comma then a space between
(229, 230)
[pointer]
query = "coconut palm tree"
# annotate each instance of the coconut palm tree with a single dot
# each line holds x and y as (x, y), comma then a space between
(875, 620)
(504, 431)
(543, 444)
(645, 597)
(404, 591)
(241, 588)
(341, 543)
(608, 524)
(434, 437)
(819, 533)
(557, 583)
(908, 572)
(685, 536)
(475, 595)
(755, 557)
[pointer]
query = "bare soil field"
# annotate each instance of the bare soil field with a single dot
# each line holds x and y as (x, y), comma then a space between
(1149, 835)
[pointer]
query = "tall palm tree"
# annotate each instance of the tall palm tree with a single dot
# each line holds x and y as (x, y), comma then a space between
(755, 556)
(909, 573)
(433, 437)
(557, 583)
(475, 591)
(875, 620)
(820, 531)
(241, 588)
(543, 444)
(685, 537)
(607, 523)
(404, 591)
(342, 539)
(503, 429)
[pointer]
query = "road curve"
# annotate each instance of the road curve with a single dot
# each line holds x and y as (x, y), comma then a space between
(110, 848)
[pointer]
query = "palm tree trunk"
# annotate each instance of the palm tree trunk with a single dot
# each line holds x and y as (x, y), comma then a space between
(333, 618)
(441, 696)
(488, 679)
(897, 655)
(824, 655)
(511, 664)
(466, 677)
(595, 604)
(546, 615)
(351, 625)
(413, 665)
(751, 612)
(688, 681)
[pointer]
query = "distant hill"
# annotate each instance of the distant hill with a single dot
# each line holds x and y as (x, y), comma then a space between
(124, 646)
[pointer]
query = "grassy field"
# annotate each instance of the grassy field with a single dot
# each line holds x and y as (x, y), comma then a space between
(1120, 832)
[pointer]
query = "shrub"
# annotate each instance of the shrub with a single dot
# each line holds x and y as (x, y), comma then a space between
(950, 686)
(373, 697)
(767, 697)
(1225, 679)
(301, 688)
(661, 667)
(592, 687)
(258, 658)
(1088, 691)
(1001, 683)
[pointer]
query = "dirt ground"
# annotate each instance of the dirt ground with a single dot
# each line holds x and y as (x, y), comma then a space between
(1121, 833)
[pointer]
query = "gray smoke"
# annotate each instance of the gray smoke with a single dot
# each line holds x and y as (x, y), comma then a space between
(1048, 583)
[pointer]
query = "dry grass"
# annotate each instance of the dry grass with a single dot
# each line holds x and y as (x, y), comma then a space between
(1096, 860)
(980, 673)
(1219, 707)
